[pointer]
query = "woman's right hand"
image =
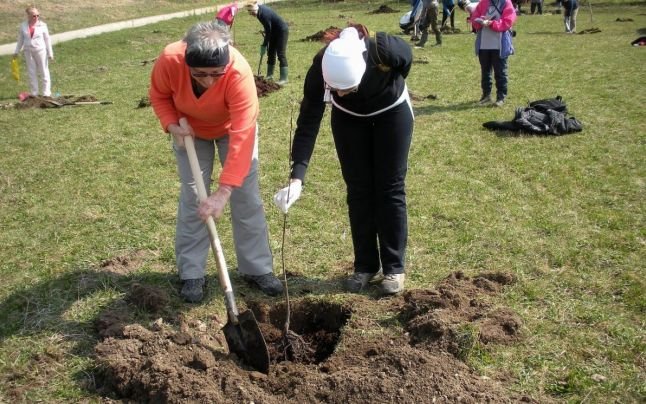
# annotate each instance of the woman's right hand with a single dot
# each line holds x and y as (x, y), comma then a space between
(288, 195)
(179, 131)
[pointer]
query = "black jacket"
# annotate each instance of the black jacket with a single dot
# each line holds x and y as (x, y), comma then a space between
(271, 22)
(388, 62)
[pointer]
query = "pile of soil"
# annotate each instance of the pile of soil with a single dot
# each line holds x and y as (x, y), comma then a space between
(144, 102)
(355, 352)
(265, 87)
(319, 36)
(52, 102)
(416, 97)
(383, 9)
(590, 31)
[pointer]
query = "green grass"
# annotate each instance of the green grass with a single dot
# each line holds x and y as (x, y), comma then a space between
(68, 15)
(80, 185)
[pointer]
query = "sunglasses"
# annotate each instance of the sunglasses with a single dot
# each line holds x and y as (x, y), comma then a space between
(35, 15)
(201, 75)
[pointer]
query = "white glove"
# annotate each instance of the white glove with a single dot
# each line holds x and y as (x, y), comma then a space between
(294, 189)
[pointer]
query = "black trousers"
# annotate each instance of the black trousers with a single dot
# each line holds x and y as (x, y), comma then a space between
(373, 152)
(277, 46)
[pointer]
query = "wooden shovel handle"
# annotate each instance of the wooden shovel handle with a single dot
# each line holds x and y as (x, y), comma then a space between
(223, 273)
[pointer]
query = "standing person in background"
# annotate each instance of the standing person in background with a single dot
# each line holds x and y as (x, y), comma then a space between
(492, 20)
(364, 80)
(207, 81)
(227, 14)
(33, 37)
(448, 10)
(537, 5)
(570, 10)
(429, 19)
(275, 42)
(468, 6)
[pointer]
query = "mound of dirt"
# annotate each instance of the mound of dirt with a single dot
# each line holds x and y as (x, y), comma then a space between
(53, 102)
(319, 36)
(349, 356)
(416, 97)
(265, 87)
(383, 9)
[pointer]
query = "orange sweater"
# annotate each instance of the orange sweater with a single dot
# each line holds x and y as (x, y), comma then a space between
(230, 106)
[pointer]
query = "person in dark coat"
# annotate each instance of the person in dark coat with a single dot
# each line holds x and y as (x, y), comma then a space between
(363, 78)
(570, 10)
(275, 42)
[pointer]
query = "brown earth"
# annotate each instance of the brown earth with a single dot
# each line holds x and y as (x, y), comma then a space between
(52, 102)
(265, 87)
(401, 349)
(383, 9)
(319, 36)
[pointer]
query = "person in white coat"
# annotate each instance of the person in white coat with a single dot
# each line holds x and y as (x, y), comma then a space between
(33, 38)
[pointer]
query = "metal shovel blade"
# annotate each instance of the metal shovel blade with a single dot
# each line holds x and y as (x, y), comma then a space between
(246, 341)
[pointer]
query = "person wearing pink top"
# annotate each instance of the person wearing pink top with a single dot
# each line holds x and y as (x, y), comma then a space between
(207, 81)
(33, 39)
(492, 21)
(227, 14)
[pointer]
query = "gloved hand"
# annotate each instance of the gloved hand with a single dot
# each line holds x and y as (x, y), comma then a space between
(294, 189)
(215, 203)
(263, 50)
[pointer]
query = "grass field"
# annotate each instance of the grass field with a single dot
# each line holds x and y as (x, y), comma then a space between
(81, 186)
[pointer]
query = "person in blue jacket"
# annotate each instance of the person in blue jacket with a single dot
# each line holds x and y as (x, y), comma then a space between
(275, 43)
(570, 10)
(448, 11)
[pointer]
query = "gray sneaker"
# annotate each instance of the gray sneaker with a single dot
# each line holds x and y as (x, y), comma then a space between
(268, 283)
(485, 100)
(193, 290)
(499, 103)
(392, 284)
(358, 281)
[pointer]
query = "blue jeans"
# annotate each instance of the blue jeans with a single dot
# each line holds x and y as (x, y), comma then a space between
(490, 60)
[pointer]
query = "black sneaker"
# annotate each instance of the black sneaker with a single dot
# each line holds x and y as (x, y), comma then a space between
(268, 283)
(193, 290)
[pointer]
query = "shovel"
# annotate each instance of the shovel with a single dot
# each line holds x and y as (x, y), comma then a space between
(241, 331)
(260, 64)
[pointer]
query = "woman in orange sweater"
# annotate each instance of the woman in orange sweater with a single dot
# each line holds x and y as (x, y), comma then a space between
(207, 81)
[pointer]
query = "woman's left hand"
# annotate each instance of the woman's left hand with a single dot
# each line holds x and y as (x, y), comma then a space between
(215, 203)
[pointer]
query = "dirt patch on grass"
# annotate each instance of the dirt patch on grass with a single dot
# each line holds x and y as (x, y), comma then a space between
(402, 349)
(383, 9)
(124, 264)
(320, 36)
(265, 87)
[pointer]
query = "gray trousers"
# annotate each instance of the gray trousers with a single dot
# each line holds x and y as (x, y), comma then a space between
(250, 234)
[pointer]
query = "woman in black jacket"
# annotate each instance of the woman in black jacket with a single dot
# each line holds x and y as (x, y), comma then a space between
(363, 78)
(275, 42)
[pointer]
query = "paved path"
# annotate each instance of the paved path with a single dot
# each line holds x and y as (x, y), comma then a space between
(8, 49)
